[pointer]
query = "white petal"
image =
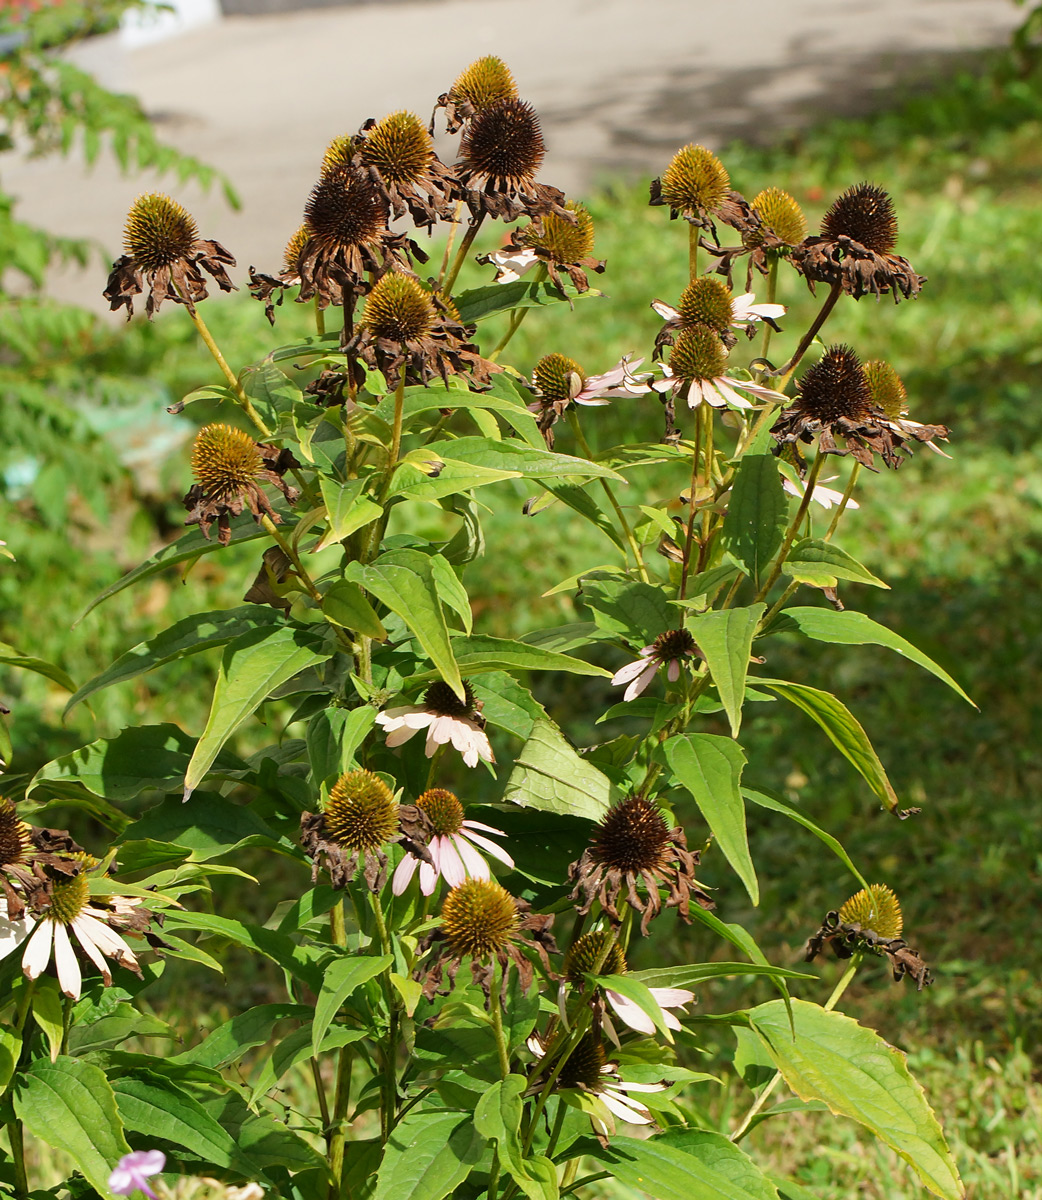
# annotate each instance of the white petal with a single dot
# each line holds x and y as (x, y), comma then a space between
(38, 949)
(91, 950)
(512, 264)
(442, 729)
(665, 311)
(69, 977)
(672, 997)
(639, 1087)
(428, 879)
(452, 869)
(106, 939)
(535, 1046)
(13, 933)
(469, 824)
(488, 846)
(399, 735)
(403, 874)
(728, 393)
(618, 1105)
(759, 390)
(634, 1016)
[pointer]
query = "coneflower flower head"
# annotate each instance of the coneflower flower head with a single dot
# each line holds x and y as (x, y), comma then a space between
(632, 837)
(338, 154)
(558, 377)
(446, 717)
(485, 82)
(399, 147)
(561, 241)
(694, 184)
(865, 214)
(706, 301)
(888, 389)
(292, 252)
(781, 214)
(361, 812)
(479, 918)
(835, 388)
(345, 209)
(698, 353)
(877, 910)
(594, 953)
(562, 244)
(15, 835)
(159, 231)
(398, 309)
(504, 143)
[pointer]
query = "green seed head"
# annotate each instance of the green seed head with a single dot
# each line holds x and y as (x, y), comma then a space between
(583, 1068)
(69, 898)
(695, 181)
(479, 918)
(398, 309)
(293, 248)
(338, 154)
(781, 214)
(558, 377)
(399, 147)
(224, 461)
(706, 301)
(888, 389)
(15, 836)
(484, 83)
(588, 951)
(562, 241)
(698, 353)
(877, 909)
(444, 810)
(158, 232)
(361, 812)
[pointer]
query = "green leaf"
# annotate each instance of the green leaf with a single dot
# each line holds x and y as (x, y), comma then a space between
(428, 1156)
(340, 979)
(703, 587)
(264, 382)
(296, 1048)
(710, 767)
(822, 564)
(404, 581)
(420, 400)
(843, 731)
(529, 461)
(346, 507)
(205, 827)
(10, 656)
(156, 1108)
(230, 1041)
(190, 636)
(580, 501)
(47, 1011)
(686, 976)
(10, 1051)
(252, 667)
(636, 610)
(551, 776)
(451, 590)
(334, 734)
(344, 604)
(476, 304)
(102, 1033)
(754, 526)
(834, 1059)
(282, 949)
(691, 1164)
(478, 654)
(855, 629)
(414, 478)
(68, 1104)
(726, 639)
(498, 1116)
(637, 991)
(766, 801)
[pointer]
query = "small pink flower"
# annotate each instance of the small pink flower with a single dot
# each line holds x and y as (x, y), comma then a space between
(133, 1170)
(452, 847)
(669, 649)
(446, 718)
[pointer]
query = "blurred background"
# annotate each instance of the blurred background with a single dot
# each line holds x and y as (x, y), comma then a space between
(229, 108)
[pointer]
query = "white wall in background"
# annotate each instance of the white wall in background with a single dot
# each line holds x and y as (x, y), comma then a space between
(141, 29)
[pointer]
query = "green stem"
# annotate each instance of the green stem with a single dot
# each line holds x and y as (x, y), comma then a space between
(464, 250)
(320, 1093)
(772, 291)
(516, 317)
(555, 1132)
(627, 532)
(493, 1175)
(396, 428)
(453, 229)
(244, 401)
(830, 303)
(270, 527)
(320, 318)
(342, 1093)
(495, 1004)
(693, 234)
(689, 543)
(797, 521)
(848, 491)
(15, 1136)
(584, 1182)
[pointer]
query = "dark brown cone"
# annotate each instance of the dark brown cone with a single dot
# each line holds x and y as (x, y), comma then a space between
(864, 214)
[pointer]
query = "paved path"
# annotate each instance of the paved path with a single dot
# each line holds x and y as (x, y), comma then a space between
(618, 83)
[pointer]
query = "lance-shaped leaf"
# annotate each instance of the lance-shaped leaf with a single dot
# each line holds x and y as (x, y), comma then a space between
(829, 1057)
(190, 636)
(771, 802)
(252, 667)
(230, 1041)
(710, 767)
(479, 303)
(822, 564)
(334, 734)
(339, 980)
(428, 1156)
(347, 508)
(39, 666)
(756, 511)
(855, 629)
(498, 1116)
(550, 775)
(404, 581)
(344, 604)
(426, 399)
(478, 654)
(843, 730)
(529, 461)
(725, 639)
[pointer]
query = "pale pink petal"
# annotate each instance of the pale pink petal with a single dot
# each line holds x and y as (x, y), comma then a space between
(403, 874)
(673, 670)
(632, 1014)
(665, 311)
(38, 949)
(648, 651)
(759, 390)
(399, 735)
(672, 997)
(91, 950)
(428, 878)
(639, 1087)
(730, 395)
(489, 847)
(69, 977)
(452, 869)
(475, 865)
(469, 824)
(629, 672)
(642, 681)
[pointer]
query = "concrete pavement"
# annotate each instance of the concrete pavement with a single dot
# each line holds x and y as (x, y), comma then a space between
(620, 84)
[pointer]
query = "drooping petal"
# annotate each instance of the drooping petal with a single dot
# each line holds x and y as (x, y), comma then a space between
(475, 865)
(627, 1111)
(666, 311)
(106, 939)
(70, 979)
(403, 874)
(673, 670)
(629, 672)
(482, 828)
(38, 949)
(511, 265)
(12, 933)
(672, 997)
(428, 878)
(91, 950)
(724, 389)
(631, 1014)
(488, 846)
(642, 681)
(452, 869)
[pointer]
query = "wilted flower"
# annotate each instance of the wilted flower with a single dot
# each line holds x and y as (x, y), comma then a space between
(446, 718)
(708, 301)
(229, 466)
(164, 251)
(890, 395)
(560, 381)
(452, 842)
(633, 844)
(485, 82)
(855, 247)
(694, 185)
(133, 1170)
(670, 650)
(770, 227)
(825, 496)
(269, 289)
(558, 244)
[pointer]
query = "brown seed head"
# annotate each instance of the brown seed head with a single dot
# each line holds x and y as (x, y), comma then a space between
(484, 83)
(398, 309)
(479, 918)
(361, 812)
(15, 836)
(69, 898)
(698, 354)
(781, 214)
(293, 248)
(224, 461)
(562, 241)
(338, 154)
(865, 214)
(706, 301)
(888, 389)
(504, 141)
(598, 947)
(158, 232)
(583, 1068)
(345, 209)
(558, 377)
(632, 837)
(440, 698)
(835, 387)
(877, 909)
(674, 643)
(399, 147)
(444, 810)
(695, 181)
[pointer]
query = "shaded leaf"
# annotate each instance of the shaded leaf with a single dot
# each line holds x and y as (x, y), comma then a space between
(339, 980)
(550, 775)
(822, 564)
(428, 1156)
(754, 526)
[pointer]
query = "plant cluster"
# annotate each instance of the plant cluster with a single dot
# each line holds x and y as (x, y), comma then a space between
(458, 992)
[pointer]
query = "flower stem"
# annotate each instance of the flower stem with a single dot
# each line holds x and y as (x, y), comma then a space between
(794, 528)
(14, 1134)
(830, 303)
(320, 319)
(270, 527)
(689, 542)
(627, 532)
(342, 1093)
(772, 291)
(516, 317)
(461, 254)
(453, 229)
(495, 1005)
(244, 401)
(841, 507)
(693, 234)
(396, 428)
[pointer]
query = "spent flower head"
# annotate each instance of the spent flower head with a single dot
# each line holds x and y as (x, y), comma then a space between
(694, 185)
(673, 649)
(485, 82)
(559, 381)
(558, 244)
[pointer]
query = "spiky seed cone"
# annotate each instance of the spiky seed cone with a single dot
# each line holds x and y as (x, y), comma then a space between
(224, 461)
(15, 838)
(444, 810)
(398, 309)
(563, 242)
(440, 698)
(293, 248)
(695, 181)
(706, 301)
(864, 213)
(632, 837)
(504, 141)
(345, 209)
(479, 918)
(583, 1067)
(588, 951)
(338, 154)
(558, 377)
(361, 812)
(69, 898)
(877, 909)
(835, 387)
(399, 147)
(888, 389)
(158, 231)
(485, 82)
(781, 214)
(674, 643)
(698, 353)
